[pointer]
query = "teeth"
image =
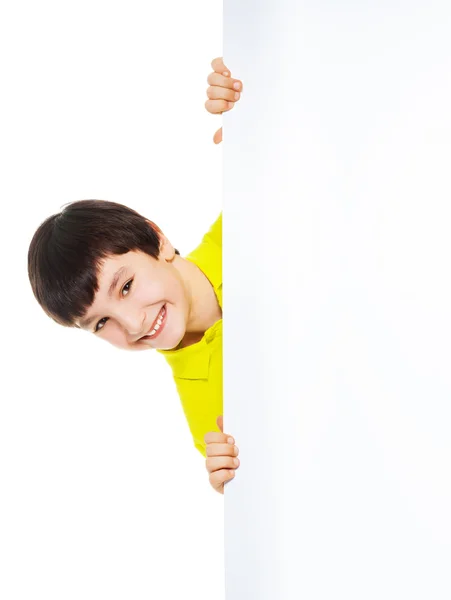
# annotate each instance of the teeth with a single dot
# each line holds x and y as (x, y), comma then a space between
(159, 321)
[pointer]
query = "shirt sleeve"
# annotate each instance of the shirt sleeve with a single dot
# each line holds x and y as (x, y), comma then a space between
(215, 232)
(201, 449)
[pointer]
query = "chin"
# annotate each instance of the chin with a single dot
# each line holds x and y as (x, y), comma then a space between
(135, 347)
(172, 347)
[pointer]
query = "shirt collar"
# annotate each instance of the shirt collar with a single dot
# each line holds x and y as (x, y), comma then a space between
(193, 362)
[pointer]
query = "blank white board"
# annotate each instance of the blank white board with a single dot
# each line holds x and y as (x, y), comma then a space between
(337, 296)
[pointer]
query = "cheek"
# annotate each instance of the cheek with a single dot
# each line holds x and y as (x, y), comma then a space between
(152, 292)
(115, 337)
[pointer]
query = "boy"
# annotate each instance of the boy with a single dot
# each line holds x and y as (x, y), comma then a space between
(102, 267)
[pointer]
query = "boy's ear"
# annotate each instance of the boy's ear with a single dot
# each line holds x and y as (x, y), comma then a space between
(167, 251)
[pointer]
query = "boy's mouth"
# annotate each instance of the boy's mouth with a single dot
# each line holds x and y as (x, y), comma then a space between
(157, 326)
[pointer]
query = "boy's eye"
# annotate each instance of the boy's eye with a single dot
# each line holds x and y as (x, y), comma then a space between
(105, 319)
(96, 329)
(125, 286)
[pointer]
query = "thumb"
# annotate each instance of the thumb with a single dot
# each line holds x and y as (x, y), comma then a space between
(217, 138)
(219, 421)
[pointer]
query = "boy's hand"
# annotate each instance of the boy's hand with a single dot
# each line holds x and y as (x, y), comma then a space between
(220, 462)
(222, 92)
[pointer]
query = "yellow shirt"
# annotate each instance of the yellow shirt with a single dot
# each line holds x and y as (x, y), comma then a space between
(197, 369)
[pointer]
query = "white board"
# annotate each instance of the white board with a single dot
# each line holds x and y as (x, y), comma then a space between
(337, 296)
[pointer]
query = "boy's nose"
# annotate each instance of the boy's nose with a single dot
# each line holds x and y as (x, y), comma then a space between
(134, 323)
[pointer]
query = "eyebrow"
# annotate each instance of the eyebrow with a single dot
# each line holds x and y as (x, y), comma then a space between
(116, 277)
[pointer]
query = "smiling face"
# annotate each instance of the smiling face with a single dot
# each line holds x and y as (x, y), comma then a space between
(122, 314)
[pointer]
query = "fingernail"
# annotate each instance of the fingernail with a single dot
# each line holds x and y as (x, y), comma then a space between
(236, 461)
(230, 104)
(231, 440)
(226, 73)
(237, 85)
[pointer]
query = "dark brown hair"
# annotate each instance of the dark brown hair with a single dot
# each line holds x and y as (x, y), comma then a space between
(65, 254)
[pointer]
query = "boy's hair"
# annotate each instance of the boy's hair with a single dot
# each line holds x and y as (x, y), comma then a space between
(65, 254)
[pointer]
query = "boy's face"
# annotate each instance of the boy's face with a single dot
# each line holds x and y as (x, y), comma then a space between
(128, 312)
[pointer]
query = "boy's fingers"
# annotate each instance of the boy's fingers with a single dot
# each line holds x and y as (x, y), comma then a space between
(215, 79)
(220, 462)
(218, 65)
(218, 106)
(215, 437)
(221, 476)
(220, 93)
(218, 449)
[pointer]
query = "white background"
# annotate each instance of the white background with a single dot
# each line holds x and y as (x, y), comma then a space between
(102, 493)
(337, 353)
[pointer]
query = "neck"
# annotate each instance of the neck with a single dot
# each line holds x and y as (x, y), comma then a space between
(204, 309)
